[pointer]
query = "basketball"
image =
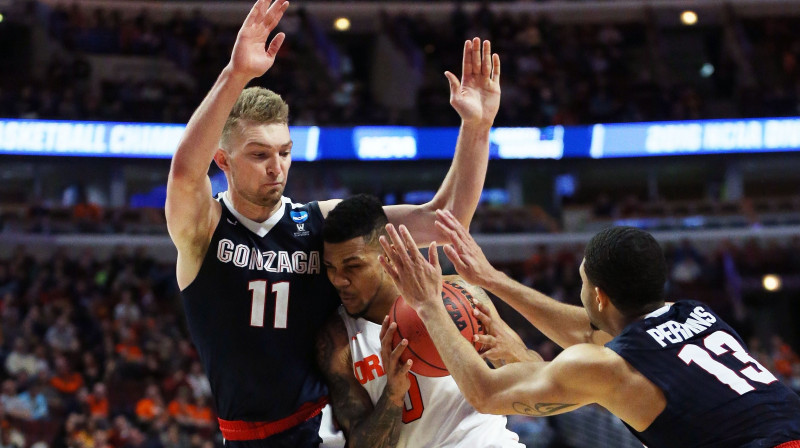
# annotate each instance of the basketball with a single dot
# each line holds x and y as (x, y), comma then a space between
(420, 349)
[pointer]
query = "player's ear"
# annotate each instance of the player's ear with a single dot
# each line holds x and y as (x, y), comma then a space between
(601, 298)
(221, 159)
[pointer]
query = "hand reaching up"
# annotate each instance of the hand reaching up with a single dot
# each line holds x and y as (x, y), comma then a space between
(476, 97)
(251, 57)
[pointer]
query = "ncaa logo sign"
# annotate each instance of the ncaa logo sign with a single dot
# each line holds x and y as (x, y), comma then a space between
(299, 216)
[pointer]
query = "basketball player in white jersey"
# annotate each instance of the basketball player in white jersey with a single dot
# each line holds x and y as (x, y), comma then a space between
(377, 401)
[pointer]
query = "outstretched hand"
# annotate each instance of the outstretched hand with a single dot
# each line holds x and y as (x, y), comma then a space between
(251, 56)
(476, 97)
(419, 280)
(467, 257)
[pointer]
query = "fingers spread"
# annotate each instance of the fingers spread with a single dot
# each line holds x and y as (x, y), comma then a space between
(275, 45)
(476, 56)
(410, 244)
(466, 62)
(395, 357)
(486, 59)
(496, 67)
(433, 255)
(399, 248)
(384, 327)
(389, 268)
(455, 258)
(455, 84)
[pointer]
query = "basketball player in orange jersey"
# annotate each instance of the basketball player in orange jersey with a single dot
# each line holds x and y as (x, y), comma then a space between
(377, 401)
(248, 263)
(674, 373)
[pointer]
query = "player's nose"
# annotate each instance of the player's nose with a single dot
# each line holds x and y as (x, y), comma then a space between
(273, 167)
(340, 281)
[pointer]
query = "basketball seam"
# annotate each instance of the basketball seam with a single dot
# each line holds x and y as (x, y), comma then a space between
(459, 296)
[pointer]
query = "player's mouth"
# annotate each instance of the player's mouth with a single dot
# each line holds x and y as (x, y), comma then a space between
(347, 297)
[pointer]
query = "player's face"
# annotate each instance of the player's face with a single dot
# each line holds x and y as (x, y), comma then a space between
(354, 270)
(258, 162)
(588, 295)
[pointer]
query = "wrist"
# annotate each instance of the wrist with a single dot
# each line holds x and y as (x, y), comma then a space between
(477, 127)
(492, 280)
(230, 74)
(396, 401)
(430, 310)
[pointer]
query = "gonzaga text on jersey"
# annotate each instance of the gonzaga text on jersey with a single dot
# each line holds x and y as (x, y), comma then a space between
(297, 262)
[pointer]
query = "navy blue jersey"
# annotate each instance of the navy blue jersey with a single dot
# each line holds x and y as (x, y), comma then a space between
(254, 309)
(717, 394)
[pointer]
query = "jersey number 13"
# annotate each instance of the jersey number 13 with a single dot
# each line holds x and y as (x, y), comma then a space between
(720, 343)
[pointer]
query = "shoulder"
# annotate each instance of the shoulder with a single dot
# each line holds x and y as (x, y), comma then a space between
(326, 206)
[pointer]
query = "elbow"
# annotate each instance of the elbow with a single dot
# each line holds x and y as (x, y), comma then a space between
(477, 401)
(479, 398)
(483, 403)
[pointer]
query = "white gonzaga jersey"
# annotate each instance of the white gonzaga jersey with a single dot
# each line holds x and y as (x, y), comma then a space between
(436, 414)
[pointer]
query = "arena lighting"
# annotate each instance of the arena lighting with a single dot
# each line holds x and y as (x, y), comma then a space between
(688, 17)
(1, 18)
(706, 70)
(772, 282)
(342, 24)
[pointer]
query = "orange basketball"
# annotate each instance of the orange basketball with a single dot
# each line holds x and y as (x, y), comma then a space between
(420, 349)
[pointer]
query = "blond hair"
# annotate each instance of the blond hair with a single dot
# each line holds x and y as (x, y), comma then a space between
(256, 105)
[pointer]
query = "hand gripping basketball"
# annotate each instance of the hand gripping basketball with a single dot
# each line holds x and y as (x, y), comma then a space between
(420, 349)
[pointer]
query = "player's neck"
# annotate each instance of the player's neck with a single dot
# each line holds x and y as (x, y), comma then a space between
(621, 321)
(249, 210)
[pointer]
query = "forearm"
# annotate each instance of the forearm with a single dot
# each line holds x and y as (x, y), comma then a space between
(466, 367)
(381, 428)
(566, 325)
(204, 129)
(462, 186)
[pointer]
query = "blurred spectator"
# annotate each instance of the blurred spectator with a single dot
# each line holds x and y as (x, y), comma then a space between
(127, 312)
(198, 381)
(62, 337)
(180, 408)
(152, 406)
(66, 381)
(14, 405)
(21, 360)
(98, 402)
(34, 400)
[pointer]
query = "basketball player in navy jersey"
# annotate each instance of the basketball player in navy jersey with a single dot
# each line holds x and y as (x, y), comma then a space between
(675, 373)
(375, 399)
(249, 261)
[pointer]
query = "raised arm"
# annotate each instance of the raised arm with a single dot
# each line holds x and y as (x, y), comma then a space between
(476, 98)
(190, 209)
(566, 325)
(364, 425)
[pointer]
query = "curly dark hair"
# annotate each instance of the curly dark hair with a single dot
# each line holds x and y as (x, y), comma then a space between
(628, 264)
(360, 215)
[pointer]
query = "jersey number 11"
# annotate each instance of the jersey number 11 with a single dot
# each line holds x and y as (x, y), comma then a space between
(281, 290)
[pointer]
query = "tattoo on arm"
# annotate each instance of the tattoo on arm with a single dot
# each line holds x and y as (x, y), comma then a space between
(541, 409)
(381, 428)
(364, 425)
